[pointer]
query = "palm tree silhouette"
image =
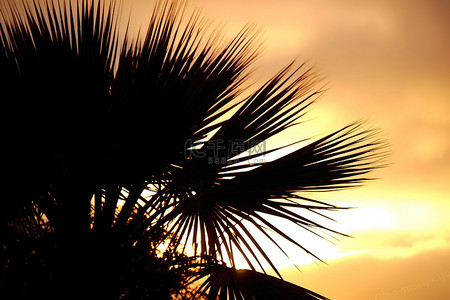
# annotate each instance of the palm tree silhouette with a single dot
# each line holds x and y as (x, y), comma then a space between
(129, 164)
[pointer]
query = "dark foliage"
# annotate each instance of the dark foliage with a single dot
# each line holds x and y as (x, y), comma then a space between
(120, 155)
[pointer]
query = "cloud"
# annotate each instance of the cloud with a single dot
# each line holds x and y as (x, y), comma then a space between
(422, 276)
(390, 244)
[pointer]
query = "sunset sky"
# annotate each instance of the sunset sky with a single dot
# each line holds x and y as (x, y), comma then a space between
(387, 62)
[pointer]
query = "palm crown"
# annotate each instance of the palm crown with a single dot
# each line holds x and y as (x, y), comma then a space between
(132, 161)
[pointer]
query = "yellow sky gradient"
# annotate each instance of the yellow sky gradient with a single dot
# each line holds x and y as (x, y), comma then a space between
(387, 62)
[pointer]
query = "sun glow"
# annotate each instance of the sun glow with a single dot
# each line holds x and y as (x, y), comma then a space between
(366, 218)
(323, 245)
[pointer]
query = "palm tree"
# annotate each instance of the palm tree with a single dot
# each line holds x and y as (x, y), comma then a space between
(130, 163)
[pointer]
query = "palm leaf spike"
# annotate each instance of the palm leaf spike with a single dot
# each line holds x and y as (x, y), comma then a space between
(124, 97)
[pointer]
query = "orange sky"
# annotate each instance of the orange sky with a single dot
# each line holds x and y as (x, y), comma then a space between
(388, 62)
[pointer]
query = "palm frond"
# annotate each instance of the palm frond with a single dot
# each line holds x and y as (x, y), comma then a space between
(229, 283)
(221, 210)
(151, 94)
